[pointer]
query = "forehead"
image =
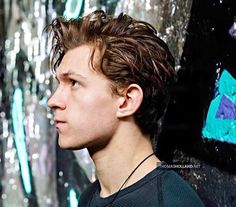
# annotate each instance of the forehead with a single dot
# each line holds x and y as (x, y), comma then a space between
(76, 59)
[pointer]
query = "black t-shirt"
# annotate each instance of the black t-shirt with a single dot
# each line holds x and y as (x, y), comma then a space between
(160, 188)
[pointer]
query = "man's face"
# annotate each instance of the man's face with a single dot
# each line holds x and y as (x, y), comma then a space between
(83, 104)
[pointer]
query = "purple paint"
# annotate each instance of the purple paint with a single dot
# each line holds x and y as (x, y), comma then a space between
(227, 109)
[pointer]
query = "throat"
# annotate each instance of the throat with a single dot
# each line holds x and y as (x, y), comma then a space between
(124, 178)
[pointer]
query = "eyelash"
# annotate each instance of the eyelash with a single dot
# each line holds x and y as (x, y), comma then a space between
(73, 82)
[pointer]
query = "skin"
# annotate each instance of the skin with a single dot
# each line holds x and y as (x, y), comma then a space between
(82, 102)
(88, 115)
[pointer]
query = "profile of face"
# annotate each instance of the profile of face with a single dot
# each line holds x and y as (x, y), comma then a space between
(85, 110)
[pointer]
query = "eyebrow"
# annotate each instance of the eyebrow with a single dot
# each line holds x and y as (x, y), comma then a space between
(66, 74)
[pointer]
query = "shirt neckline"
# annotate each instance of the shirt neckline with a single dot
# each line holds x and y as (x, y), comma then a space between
(99, 201)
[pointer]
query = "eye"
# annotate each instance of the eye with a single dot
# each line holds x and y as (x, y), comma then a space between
(74, 83)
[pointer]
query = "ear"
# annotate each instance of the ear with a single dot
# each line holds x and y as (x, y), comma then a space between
(130, 101)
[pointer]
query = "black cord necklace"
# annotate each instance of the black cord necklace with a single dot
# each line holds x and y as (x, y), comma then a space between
(113, 200)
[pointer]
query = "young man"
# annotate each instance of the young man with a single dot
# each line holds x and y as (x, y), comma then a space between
(113, 76)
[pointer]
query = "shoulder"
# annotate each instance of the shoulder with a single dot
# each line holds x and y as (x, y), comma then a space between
(177, 192)
(86, 195)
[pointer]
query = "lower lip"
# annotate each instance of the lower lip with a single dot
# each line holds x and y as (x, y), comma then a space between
(59, 124)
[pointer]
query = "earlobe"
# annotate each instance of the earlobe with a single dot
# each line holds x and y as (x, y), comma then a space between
(130, 101)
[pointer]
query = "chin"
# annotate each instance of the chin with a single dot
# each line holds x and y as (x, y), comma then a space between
(69, 147)
(66, 145)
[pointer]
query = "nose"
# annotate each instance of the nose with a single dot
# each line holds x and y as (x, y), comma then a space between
(56, 101)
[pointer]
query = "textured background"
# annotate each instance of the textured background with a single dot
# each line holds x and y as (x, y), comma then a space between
(35, 172)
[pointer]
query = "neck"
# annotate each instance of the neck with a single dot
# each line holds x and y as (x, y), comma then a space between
(116, 161)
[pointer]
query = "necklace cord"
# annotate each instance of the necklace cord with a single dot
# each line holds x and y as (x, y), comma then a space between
(130, 177)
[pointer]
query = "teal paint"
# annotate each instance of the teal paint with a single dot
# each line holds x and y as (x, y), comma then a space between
(215, 127)
(19, 138)
(73, 8)
(73, 198)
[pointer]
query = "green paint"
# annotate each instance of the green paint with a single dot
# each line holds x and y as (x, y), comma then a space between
(216, 128)
(73, 8)
(73, 198)
(19, 138)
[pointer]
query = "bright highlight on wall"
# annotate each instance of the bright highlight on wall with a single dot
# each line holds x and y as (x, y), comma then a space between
(19, 138)
(73, 8)
(73, 198)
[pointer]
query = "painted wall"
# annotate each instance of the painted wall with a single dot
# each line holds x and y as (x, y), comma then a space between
(201, 118)
(198, 137)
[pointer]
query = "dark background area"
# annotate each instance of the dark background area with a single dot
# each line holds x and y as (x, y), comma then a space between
(208, 50)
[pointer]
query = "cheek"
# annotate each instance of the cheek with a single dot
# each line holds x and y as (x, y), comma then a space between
(93, 112)
(95, 104)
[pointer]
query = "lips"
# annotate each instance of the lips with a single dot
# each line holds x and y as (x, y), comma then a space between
(59, 123)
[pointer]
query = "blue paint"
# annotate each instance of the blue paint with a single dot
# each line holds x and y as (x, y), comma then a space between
(19, 138)
(73, 198)
(221, 118)
(227, 109)
(73, 8)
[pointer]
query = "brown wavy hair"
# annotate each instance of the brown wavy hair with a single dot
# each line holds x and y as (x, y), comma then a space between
(130, 52)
